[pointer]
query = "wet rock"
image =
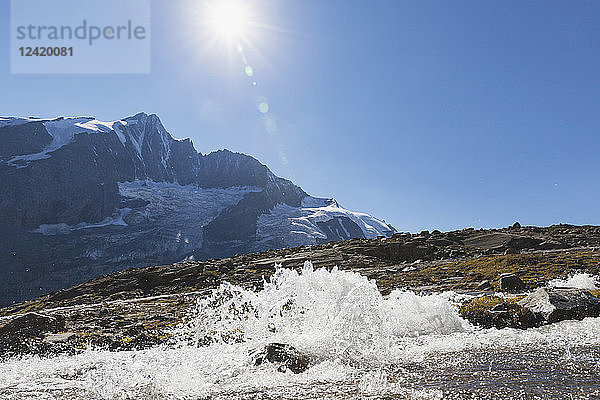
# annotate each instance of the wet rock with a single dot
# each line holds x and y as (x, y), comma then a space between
(558, 304)
(511, 283)
(551, 245)
(286, 355)
(140, 342)
(439, 242)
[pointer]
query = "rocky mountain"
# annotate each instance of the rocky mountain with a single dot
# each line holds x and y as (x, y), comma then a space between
(82, 198)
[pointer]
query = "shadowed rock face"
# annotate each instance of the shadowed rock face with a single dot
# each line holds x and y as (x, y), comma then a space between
(81, 198)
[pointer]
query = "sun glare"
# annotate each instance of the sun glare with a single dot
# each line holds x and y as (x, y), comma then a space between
(228, 19)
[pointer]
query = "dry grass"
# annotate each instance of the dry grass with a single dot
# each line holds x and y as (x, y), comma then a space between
(534, 269)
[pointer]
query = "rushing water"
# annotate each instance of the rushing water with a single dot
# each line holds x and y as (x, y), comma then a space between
(362, 345)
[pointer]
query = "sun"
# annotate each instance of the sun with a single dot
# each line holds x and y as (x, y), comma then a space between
(229, 19)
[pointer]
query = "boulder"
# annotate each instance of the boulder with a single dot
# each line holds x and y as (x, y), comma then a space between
(511, 283)
(286, 355)
(550, 305)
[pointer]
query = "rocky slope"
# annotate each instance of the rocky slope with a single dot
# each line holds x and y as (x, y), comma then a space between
(135, 308)
(82, 198)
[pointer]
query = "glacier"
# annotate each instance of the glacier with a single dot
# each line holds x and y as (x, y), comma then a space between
(305, 225)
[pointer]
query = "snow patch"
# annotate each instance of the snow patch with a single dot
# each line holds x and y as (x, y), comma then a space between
(137, 143)
(105, 127)
(63, 229)
(316, 202)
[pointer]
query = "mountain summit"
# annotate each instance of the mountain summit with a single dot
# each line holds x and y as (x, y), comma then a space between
(82, 197)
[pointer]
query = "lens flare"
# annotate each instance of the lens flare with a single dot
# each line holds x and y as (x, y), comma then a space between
(229, 18)
(263, 107)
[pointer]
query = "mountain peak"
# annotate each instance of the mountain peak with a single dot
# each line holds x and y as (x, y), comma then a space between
(142, 116)
(109, 195)
(139, 115)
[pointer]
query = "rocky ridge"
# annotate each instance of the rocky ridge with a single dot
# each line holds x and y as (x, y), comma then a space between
(135, 308)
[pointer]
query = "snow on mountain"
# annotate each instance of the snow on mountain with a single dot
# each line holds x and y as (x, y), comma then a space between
(99, 126)
(323, 209)
(318, 220)
(147, 143)
(62, 130)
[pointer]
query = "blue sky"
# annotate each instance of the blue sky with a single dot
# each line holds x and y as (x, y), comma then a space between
(427, 114)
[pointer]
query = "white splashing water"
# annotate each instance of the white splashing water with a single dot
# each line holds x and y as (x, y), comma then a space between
(577, 281)
(327, 314)
(338, 318)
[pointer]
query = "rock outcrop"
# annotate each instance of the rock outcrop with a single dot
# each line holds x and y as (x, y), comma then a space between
(543, 306)
(549, 305)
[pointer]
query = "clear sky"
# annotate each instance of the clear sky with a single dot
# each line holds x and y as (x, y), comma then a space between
(428, 114)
